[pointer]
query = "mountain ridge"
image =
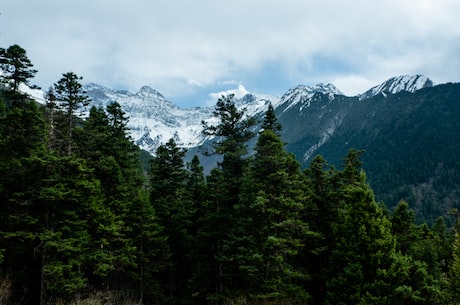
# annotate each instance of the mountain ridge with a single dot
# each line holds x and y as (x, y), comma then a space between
(409, 83)
(154, 119)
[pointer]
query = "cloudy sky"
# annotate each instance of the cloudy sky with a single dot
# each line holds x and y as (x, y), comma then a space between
(188, 49)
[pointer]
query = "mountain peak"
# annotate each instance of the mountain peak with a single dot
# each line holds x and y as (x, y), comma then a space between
(93, 86)
(409, 83)
(318, 88)
(303, 94)
(147, 91)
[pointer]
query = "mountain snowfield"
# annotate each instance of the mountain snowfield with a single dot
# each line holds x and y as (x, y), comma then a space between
(153, 119)
(304, 94)
(396, 84)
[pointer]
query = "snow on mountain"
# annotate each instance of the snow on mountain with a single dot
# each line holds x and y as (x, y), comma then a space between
(253, 103)
(303, 94)
(36, 94)
(394, 85)
(153, 119)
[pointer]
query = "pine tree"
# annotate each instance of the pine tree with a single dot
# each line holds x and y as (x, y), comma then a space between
(207, 280)
(16, 69)
(70, 96)
(409, 282)
(270, 121)
(323, 183)
(109, 151)
(22, 133)
(152, 250)
(274, 234)
(168, 180)
(363, 243)
(403, 227)
(454, 270)
(196, 182)
(231, 133)
(72, 205)
(426, 250)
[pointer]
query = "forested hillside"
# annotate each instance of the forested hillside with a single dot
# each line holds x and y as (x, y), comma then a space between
(411, 140)
(411, 144)
(82, 222)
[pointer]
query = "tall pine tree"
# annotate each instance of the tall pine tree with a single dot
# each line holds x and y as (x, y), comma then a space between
(16, 69)
(272, 230)
(232, 132)
(70, 96)
(169, 197)
(363, 243)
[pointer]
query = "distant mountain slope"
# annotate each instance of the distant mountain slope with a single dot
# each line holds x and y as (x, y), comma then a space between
(411, 143)
(409, 83)
(153, 119)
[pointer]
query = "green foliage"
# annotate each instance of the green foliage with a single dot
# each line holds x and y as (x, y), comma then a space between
(70, 96)
(270, 120)
(272, 231)
(170, 199)
(454, 270)
(16, 69)
(403, 227)
(233, 130)
(362, 248)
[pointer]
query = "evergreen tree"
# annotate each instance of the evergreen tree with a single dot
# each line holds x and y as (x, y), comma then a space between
(70, 96)
(168, 180)
(207, 280)
(403, 227)
(323, 183)
(363, 243)
(16, 69)
(47, 235)
(427, 252)
(272, 230)
(21, 138)
(270, 121)
(68, 194)
(152, 250)
(196, 184)
(232, 133)
(454, 270)
(409, 282)
(104, 143)
(443, 240)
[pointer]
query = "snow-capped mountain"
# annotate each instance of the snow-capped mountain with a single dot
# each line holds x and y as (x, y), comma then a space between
(312, 115)
(304, 94)
(409, 83)
(153, 119)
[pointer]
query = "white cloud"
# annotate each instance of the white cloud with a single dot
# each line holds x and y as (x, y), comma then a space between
(239, 92)
(354, 84)
(180, 46)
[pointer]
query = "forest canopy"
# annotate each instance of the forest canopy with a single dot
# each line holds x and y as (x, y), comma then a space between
(83, 222)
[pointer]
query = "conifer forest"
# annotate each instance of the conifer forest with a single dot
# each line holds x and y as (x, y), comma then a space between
(87, 218)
